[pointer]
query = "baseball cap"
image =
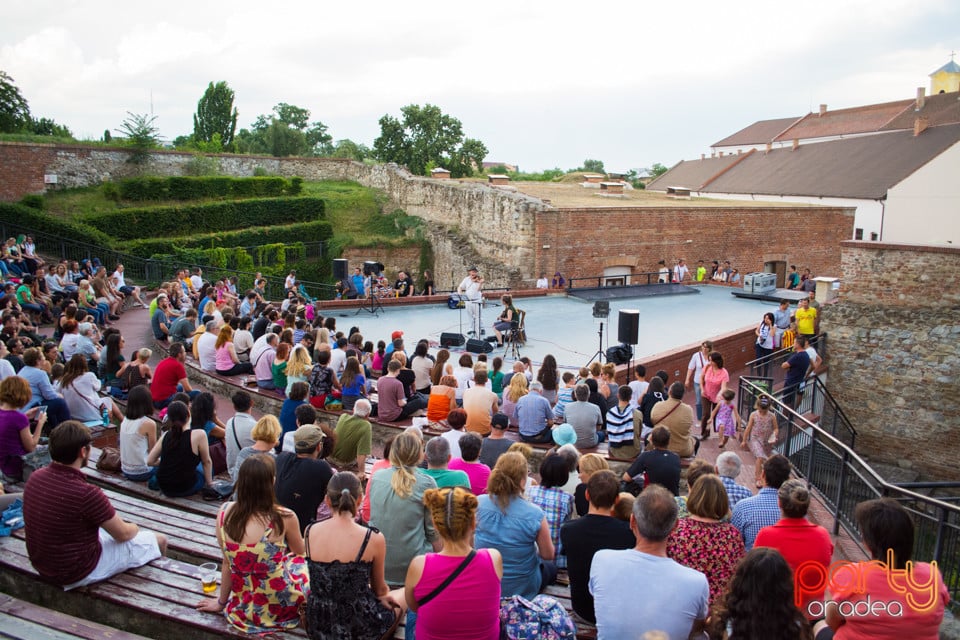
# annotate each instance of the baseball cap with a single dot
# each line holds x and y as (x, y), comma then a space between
(307, 437)
(564, 434)
(396, 334)
(500, 421)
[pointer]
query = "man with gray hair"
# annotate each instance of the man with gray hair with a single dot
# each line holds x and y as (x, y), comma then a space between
(728, 467)
(206, 346)
(619, 580)
(533, 414)
(438, 457)
(584, 417)
(354, 439)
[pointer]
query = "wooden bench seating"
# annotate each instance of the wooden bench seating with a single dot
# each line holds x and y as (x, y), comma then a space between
(156, 600)
(21, 620)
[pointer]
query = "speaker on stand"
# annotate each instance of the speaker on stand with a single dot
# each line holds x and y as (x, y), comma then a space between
(341, 269)
(628, 332)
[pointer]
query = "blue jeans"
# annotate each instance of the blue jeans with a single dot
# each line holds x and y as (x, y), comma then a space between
(696, 390)
(141, 477)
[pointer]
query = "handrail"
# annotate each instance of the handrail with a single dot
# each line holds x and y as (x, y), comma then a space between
(843, 479)
(651, 279)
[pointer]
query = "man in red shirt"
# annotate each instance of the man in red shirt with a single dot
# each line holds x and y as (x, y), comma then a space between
(800, 542)
(170, 377)
(74, 536)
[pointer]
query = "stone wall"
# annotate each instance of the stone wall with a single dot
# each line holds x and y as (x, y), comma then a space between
(582, 242)
(895, 352)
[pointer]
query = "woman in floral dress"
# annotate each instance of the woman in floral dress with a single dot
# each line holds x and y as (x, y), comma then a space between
(264, 577)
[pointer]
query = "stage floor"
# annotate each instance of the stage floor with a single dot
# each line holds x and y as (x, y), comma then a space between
(565, 327)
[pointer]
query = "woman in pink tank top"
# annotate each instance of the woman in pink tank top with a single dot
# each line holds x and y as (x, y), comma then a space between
(468, 605)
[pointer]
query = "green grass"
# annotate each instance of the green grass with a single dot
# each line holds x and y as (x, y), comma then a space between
(75, 202)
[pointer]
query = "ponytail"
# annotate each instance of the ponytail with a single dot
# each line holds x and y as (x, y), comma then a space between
(343, 491)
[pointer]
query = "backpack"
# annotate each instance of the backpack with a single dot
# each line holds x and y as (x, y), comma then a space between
(542, 618)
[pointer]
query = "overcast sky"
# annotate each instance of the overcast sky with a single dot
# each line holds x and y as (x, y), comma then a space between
(543, 84)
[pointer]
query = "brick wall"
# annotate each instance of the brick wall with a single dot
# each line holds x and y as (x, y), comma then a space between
(23, 168)
(895, 352)
(582, 242)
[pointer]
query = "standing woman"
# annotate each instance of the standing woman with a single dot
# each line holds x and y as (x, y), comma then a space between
(549, 377)
(763, 347)
(469, 606)
(396, 507)
(182, 455)
(349, 598)
(713, 382)
(228, 363)
(263, 574)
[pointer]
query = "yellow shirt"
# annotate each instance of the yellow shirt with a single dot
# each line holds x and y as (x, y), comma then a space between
(806, 320)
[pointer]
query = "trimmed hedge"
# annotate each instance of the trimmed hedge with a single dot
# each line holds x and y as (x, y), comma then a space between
(253, 236)
(196, 188)
(39, 222)
(158, 222)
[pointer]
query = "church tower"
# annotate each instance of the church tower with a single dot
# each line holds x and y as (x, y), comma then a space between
(946, 79)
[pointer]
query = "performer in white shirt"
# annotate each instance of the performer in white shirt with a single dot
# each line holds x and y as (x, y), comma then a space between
(470, 292)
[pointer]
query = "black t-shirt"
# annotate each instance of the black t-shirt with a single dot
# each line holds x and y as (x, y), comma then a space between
(301, 485)
(580, 502)
(662, 467)
(491, 449)
(405, 286)
(581, 539)
(259, 327)
(408, 378)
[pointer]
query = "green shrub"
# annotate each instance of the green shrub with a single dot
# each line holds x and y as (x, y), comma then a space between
(144, 188)
(260, 172)
(39, 222)
(199, 187)
(110, 191)
(259, 237)
(296, 186)
(34, 201)
(155, 222)
(200, 165)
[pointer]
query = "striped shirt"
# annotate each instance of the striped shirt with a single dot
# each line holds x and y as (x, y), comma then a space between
(620, 425)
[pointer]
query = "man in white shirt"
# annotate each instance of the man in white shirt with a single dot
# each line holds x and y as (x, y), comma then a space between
(121, 285)
(197, 279)
(697, 362)
(338, 357)
(290, 283)
(207, 347)
(239, 427)
(638, 386)
(469, 290)
(680, 272)
(542, 282)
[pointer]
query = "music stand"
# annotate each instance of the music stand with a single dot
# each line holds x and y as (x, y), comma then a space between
(601, 311)
(372, 302)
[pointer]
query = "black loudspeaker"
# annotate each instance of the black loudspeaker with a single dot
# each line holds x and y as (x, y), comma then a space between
(620, 354)
(601, 309)
(628, 330)
(340, 269)
(479, 346)
(451, 340)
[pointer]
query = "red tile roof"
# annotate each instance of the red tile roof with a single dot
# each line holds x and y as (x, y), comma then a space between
(942, 108)
(760, 132)
(840, 122)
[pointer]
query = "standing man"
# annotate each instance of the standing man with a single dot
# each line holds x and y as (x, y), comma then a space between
(358, 282)
(806, 319)
(812, 301)
(680, 271)
(781, 320)
(695, 369)
(701, 271)
(470, 292)
(626, 604)
(74, 535)
(583, 537)
(663, 274)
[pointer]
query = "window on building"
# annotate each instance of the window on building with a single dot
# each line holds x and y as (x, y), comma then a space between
(858, 234)
(874, 237)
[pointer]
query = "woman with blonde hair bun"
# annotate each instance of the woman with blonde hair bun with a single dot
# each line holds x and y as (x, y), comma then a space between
(469, 605)
(517, 388)
(517, 528)
(397, 510)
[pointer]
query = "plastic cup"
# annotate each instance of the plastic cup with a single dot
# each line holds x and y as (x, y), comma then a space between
(208, 576)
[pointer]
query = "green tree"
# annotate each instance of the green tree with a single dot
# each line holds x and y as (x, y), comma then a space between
(142, 135)
(656, 170)
(216, 115)
(285, 132)
(14, 110)
(426, 135)
(347, 148)
(594, 166)
(48, 127)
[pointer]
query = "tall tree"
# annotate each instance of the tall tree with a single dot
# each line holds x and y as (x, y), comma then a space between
(286, 132)
(427, 137)
(142, 134)
(216, 114)
(14, 111)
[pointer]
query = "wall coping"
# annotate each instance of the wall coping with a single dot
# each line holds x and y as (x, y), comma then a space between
(699, 208)
(900, 246)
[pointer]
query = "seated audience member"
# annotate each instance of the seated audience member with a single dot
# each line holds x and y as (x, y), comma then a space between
(263, 359)
(349, 597)
(534, 413)
(392, 403)
(324, 384)
(564, 395)
(584, 416)
(354, 436)
(702, 541)
(657, 466)
(238, 427)
(353, 384)
(798, 540)
(728, 468)
(676, 416)
(184, 327)
(619, 426)
(80, 388)
(442, 399)
(457, 420)
(42, 392)
(888, 534)
(225, 354)
(759, 601)
(288, 410)
(17, 437)
(74, 536)
(587, 465)
(496, 444)
(468, 607)
(572, 456)
(480, 403)
(303, 474)
(698, 467)
(256, 530)
(517, 528)
(762, 510)
(265, 434)
(597, 529)
(513, 391)
(138, 435)
(182, 455)
(557, 505)
(641, 589)
(469, 463)
(203, 416)
(169, 377)
(438, 459)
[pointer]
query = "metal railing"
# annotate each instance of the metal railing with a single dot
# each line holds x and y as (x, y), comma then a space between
(150, 272)
(771, 366)
(843, 480)
(598, 281)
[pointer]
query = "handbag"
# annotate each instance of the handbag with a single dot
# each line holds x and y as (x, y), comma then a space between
(109, 460)
(218, 456)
